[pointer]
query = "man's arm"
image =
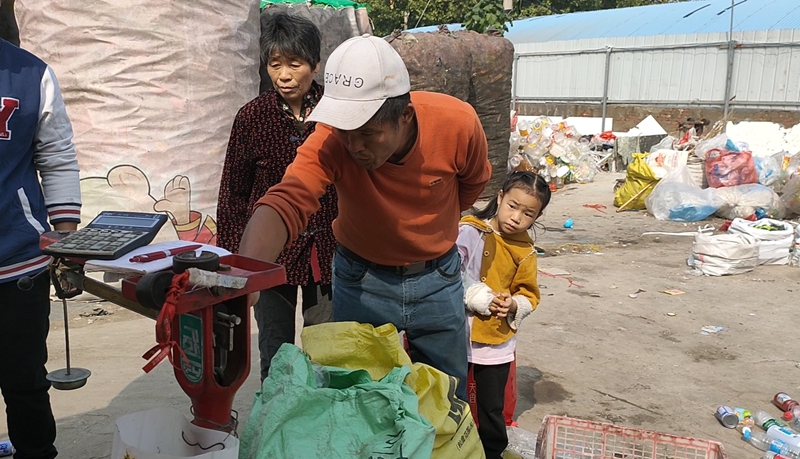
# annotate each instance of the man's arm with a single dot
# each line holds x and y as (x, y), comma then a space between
(55, 159)
(282, 214)
(472, 178)
(265, 235)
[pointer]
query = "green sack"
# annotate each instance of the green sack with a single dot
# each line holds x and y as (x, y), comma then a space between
(304, 410)
(378, 350)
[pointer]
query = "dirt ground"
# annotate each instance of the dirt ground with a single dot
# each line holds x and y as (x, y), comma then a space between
(594, 349)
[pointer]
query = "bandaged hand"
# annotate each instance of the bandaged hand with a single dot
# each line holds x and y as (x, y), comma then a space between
(478, 298)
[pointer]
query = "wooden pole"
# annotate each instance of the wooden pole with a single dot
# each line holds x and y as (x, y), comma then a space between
(622, 207)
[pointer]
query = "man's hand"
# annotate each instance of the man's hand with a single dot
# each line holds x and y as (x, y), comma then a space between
(252, 299)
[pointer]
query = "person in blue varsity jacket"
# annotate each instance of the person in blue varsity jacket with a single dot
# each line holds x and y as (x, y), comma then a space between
(35, 138)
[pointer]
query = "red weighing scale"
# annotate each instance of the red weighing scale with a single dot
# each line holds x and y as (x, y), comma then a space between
(203, 330)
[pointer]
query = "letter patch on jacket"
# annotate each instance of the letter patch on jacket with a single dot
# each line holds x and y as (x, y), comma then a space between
(7, 107)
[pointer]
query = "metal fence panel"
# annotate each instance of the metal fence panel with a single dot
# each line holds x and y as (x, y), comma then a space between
(662, 70)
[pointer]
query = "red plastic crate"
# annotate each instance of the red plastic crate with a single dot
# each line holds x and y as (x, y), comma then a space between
(568, 438)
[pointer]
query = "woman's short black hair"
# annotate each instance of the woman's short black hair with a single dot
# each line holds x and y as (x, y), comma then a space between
(291, 35)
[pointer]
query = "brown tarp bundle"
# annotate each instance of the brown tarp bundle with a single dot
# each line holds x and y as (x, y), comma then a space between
(436, 62)
(8, 24)
(473, 67)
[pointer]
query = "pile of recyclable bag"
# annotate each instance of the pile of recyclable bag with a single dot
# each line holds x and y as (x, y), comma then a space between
(746, 244)
(724, 254)
(554, 150)
(661, 182)
(743, 201)
(353, 392)
(748, 184)
(309, 410)
(776, 238)
(734, 183)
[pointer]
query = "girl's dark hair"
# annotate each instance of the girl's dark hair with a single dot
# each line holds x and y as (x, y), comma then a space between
(291, 35)
(528, 182)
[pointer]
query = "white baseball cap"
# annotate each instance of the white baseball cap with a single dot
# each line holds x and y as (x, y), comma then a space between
(359, 76)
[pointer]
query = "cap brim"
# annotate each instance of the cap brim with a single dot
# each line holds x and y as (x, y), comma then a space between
(346, 115)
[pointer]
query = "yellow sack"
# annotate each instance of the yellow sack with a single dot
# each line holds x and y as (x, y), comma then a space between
(638, 179)
(357, 346)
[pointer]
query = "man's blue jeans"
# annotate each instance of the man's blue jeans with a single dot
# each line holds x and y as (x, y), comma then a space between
(428, 305)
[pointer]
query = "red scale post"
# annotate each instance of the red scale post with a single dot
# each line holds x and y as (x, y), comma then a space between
(204, 332)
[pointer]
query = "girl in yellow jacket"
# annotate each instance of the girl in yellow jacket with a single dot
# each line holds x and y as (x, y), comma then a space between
(498, 269)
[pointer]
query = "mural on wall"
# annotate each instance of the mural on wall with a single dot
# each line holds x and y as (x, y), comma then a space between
(127, 187)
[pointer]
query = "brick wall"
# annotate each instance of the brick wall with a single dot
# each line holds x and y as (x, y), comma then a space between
(626, 117)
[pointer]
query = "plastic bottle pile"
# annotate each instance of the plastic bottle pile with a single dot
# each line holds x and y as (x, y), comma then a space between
(776, 439)
(554, 150)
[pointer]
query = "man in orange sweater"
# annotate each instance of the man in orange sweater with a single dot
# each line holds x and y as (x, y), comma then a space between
(404, 165)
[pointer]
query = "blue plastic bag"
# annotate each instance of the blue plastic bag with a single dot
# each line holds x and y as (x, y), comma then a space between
(676, 197)
(691, 212)
(769, 169)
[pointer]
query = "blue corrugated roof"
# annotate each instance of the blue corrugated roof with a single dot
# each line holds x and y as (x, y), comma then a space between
(699, 16)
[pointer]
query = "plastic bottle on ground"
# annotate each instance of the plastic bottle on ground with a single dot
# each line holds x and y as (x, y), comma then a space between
(6, 448)
(792, 415)
(765, 420)
(795, 261)
(764, 442)
(743, 413)
(793, 419)
(773, 455)
(746, 422)
(777, 429)
(794, 422)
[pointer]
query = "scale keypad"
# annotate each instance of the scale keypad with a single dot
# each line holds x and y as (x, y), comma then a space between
(95, 242)
(109, 236)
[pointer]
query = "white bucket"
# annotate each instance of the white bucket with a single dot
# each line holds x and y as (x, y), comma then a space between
(164, 433)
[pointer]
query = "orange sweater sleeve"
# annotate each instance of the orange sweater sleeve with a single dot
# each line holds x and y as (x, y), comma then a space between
(474, 167)
(296, 197)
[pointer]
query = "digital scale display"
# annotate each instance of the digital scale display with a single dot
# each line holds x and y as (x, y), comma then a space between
(133, 222)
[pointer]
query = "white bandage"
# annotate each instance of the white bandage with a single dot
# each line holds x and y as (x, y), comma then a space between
(524, 308)
(478, 297)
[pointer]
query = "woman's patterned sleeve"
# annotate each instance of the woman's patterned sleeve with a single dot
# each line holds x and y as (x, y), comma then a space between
(236, 183)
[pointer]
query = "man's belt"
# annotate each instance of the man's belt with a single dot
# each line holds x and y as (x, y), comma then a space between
(407, 270)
